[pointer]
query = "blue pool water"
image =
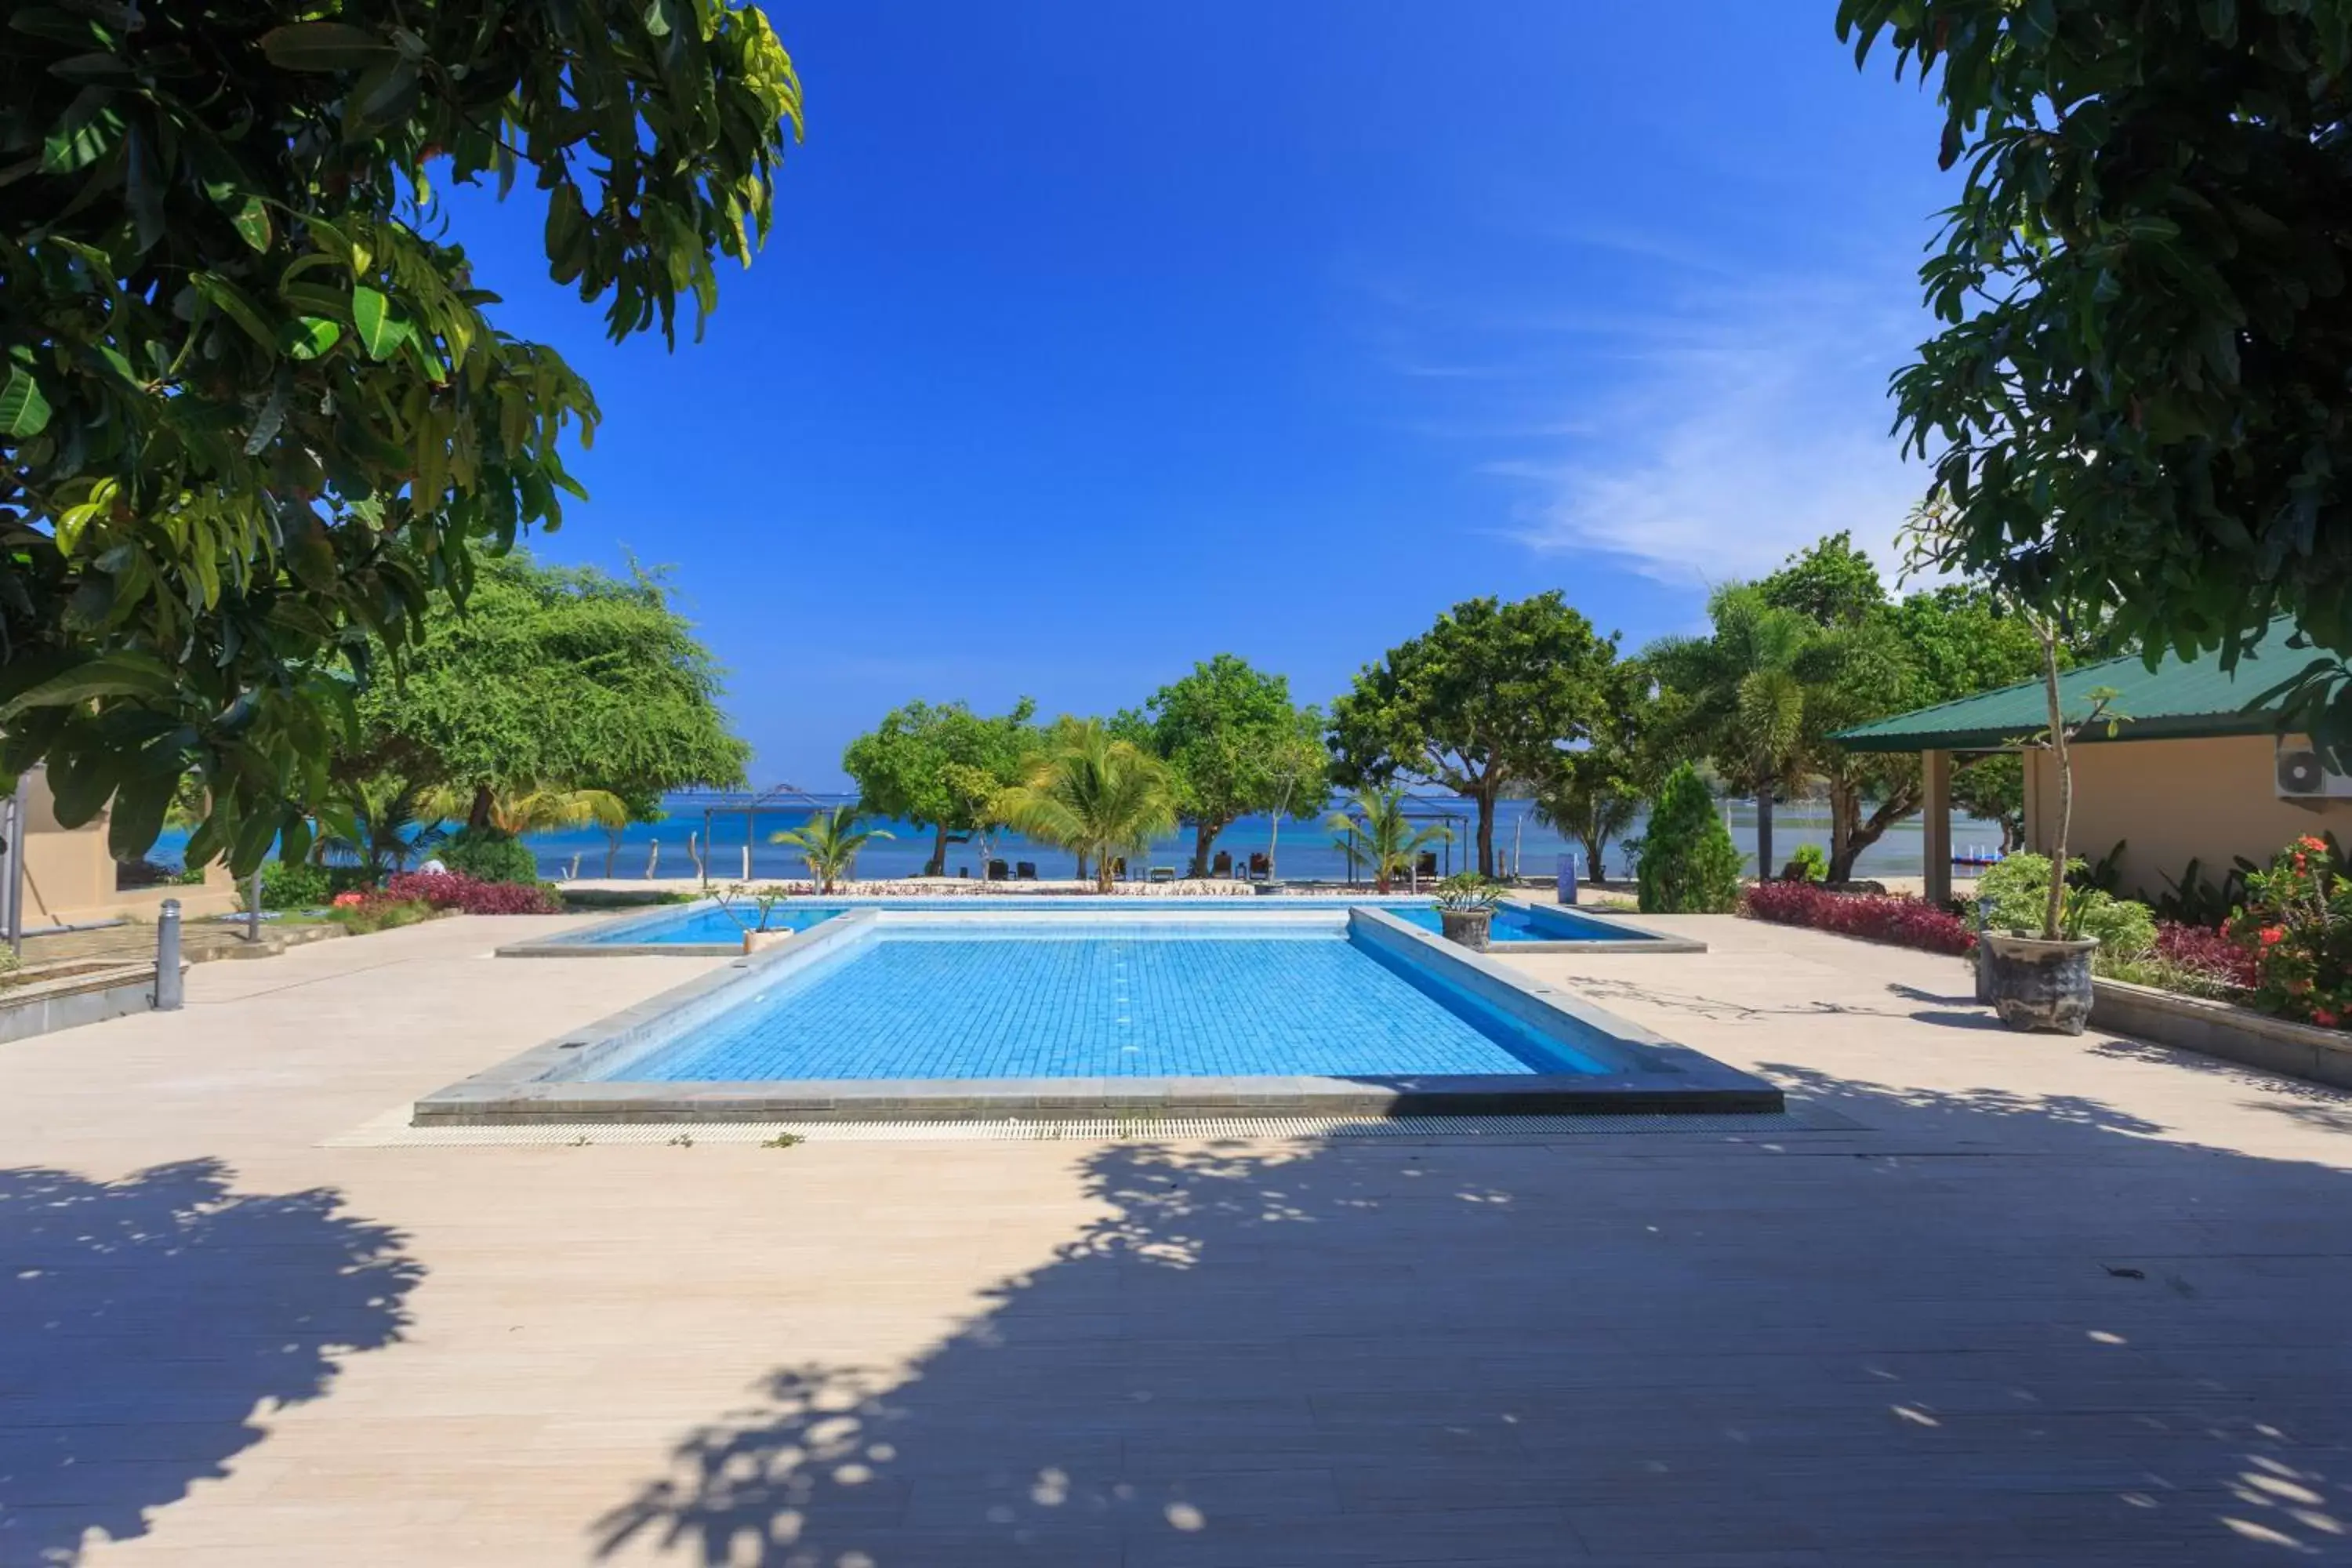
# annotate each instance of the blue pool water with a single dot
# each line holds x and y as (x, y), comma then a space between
(705, 924)
(1010, 1000)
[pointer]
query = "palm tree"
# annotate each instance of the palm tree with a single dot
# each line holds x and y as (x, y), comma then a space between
(1747, 694)
(1095, 796)
(829, 842)
(1383, 836)
(393, 824)
(517, 809)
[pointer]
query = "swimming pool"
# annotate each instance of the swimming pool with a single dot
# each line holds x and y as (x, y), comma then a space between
(1157, 1000)
(711, 926)
(883, 1013)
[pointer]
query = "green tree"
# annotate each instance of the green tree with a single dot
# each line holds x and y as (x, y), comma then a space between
(1490, 694)
(254, 419)
(1595, 794)
(558, 679)
(1094, 794)
(829, 842)
(1865, 657)
(1236, 744)
(1375, 831)
(939, 765)
(1992, 789)
(2137, 406)
(1744, 692)
(1688, 864)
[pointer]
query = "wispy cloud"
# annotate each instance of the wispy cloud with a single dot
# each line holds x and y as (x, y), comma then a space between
(1747, 431)
(1702, 429)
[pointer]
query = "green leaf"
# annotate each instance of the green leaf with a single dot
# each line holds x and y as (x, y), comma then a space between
(23, 410)
(252, 220)
(323, 46)
(231, 301)
(383, 97)
(307, 337)
(109, 675)
(137, 819)
(380, 329)
(83, 134)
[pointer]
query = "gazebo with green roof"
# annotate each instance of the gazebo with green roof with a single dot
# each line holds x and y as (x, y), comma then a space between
(2181, 699)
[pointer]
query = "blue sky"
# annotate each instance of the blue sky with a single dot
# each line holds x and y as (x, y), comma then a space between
(1093, 340)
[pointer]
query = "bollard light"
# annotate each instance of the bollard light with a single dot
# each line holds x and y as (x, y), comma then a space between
(167, 957)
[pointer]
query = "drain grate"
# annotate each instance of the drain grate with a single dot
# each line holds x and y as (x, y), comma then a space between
(391, 1131)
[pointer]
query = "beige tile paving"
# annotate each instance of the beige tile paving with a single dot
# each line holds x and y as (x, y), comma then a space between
(2052, 1301)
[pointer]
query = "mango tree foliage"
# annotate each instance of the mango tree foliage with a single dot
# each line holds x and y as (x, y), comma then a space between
(1493, 694)
(1236, 744)
(940, 765)
(2137, 403)
(557, 680)
(254, 417)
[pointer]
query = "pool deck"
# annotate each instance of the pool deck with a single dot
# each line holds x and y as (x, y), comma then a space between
(1990, 1299)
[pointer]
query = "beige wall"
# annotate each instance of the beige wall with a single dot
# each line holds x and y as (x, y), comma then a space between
(2172, 801)
(69, 875)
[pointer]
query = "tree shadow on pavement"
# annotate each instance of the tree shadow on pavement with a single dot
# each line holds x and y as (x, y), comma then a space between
(1995, 1328)
(147, 1323)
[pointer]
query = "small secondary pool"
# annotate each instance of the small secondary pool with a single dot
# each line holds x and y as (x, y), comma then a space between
(1165, 1000)
(708, 924)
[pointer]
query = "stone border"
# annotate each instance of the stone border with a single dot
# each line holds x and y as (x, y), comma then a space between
(45, 1006)
(1648, 1073)
(2223, 1029)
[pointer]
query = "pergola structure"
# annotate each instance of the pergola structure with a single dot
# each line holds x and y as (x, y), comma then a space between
(748, 804)
(2179, 699)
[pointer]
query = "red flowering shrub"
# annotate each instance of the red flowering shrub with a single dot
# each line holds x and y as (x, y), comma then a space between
(2296, 927)
(468, 895)
(2208, 952)
(1901, 919)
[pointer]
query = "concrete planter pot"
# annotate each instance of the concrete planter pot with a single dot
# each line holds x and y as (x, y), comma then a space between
(2038, 985)
(761, 941)
(1467, 928)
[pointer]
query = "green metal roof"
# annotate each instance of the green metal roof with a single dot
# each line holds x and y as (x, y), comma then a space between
(2179, 699)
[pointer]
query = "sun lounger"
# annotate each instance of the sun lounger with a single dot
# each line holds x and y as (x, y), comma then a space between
(999, 871)
(1024, 870)
(1161, 873)
(1223, 866)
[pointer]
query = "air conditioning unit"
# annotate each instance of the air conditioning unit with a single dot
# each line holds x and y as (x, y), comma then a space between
(2302, 776)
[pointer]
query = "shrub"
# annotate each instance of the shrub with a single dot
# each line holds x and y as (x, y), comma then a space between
(1902, 919)
(304, 885)
(2019, 886)
(2297, 926)
(1811, 863)
(468, 895)
(489, 856)
(367, 912)
(2207, 952)
(1687, 863)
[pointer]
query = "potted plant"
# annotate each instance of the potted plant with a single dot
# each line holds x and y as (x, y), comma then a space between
(2040, 978)
(1465, 909)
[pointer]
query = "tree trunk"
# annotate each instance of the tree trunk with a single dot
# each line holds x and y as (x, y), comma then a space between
(1082, 865)
(479, 818)
(937, 865)
(1102, 873)
(1594, 846)
(1204, 840)
(1487, 827)
(1859, 833)
(1764, 833)
(2056, 909)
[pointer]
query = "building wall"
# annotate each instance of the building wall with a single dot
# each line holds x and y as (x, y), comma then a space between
(2174, 801)
(70, 874)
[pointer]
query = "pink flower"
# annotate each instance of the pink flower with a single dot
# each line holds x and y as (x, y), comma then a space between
(349, 900)
(2322, 1017)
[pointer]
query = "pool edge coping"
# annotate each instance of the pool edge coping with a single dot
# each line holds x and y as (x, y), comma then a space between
(1667, 1076)
(583, 944)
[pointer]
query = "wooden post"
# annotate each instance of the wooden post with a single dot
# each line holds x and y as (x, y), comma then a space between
(1935, 824)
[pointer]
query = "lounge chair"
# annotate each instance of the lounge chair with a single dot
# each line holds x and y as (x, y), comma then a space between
(1161, 873)
(1427, 867)
(1119, 869)
(1260, 867)
(1024, 870)
(1223, 866)
(999, 871)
